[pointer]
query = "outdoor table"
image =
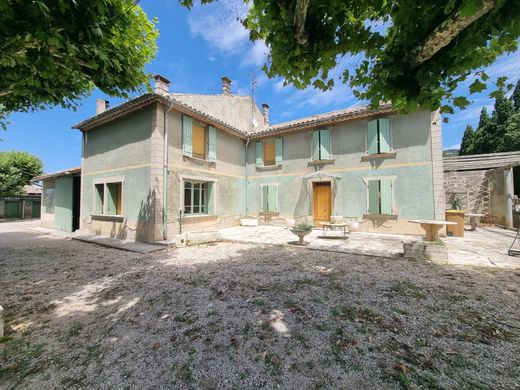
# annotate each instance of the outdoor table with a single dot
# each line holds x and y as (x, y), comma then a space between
(333, 226)
(432, 227)
(473, 220)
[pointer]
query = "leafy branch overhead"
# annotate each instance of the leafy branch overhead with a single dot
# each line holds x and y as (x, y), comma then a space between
(55, 52)
(416, 52)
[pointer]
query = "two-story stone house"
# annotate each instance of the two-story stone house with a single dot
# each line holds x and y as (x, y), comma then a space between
(166, 162)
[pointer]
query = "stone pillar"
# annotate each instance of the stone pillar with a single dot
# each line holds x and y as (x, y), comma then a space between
(156, 175)
(439, 202)
(509, 192)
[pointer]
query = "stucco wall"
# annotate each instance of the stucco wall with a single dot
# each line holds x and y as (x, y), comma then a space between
(411, 140)
(47, 219)
(63, 203)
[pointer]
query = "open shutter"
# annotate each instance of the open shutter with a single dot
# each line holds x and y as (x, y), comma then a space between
(384, 135)
(373, 197)
(372, 137)
(272, 195)
(279, 151)
(324, 145)
(386, 196)
(99, 190)
(265, 199)
(211, 198)
(212, 144)
(111, 199)
(316, 145)
(259, 154)
(187, 123)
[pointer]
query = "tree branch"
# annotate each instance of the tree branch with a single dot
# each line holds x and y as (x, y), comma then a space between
(300, 15)
(446, 32)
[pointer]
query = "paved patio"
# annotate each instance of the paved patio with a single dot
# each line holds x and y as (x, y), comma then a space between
(486, 246)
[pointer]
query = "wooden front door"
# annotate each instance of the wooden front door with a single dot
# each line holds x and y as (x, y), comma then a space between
(322, 202)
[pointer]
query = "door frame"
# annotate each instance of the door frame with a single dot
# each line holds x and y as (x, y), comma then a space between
(331, 184)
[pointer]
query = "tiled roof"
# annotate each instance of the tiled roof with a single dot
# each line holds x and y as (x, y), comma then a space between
(65, 172)
(477, 162)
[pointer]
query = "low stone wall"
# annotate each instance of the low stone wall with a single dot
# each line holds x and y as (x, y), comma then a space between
(425, 251)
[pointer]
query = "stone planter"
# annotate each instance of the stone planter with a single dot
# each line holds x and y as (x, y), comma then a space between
(301, 234)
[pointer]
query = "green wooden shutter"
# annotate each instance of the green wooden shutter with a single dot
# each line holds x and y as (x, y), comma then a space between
(187, 123)
(211, 198)
(111, 198)
(272, 196)
(279, 151)
(373, 197)
(212, 144)
(384, 135)
(265, 200)
(316, 145)
(372, 137)
(259, 154)
(324, 145)
(386, 196)
(99, 189)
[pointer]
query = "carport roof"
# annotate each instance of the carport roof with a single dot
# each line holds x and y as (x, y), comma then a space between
(482, 161)
(52, 175)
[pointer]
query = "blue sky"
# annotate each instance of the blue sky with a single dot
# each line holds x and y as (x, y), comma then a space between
(197, 48)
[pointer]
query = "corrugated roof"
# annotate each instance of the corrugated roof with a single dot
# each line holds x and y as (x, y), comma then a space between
(52, 175)
(482, 161)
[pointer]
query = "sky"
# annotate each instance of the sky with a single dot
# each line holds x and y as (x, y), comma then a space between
(197, 48)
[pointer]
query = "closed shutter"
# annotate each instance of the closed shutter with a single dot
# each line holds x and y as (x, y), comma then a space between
(384, 135)
(373, 197)
(316, 145)
(372, 137)
(212, 144)
(265, 198)
(272, 194)
(324, 145)
(112, 200)
(279, 151)
(259, 154)
(99, 193)
(187, 123)
(386, 196)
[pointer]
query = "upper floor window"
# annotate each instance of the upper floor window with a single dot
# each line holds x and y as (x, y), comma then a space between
(380, 196)
(198, 140)
(269, 153)
(378, 136)
(321, 145)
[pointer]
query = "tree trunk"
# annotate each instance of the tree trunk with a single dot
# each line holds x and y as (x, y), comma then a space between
(300, 15)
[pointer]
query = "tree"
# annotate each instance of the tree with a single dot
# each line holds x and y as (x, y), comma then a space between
(416, 51)
(467, 144)
(512, 136)
(16, 170)
(55, 52)
(516, 96)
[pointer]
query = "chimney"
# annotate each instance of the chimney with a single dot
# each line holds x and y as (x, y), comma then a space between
(102, 105)
(226, 86)
(162, 84)
(265, 113)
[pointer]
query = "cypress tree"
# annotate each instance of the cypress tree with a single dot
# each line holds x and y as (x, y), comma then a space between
(467, 145)
(515, 98)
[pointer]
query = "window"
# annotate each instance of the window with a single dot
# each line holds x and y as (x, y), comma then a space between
(380, 196)
(378, 136)
(321, 145)
(269, 153)
(48, 200)
(198, 140)
(269, 198)
(196, 197)
(108, 198)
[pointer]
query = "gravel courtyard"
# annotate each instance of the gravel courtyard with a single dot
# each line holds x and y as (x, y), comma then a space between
(250, 316)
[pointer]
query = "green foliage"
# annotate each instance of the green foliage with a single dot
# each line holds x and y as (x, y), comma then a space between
(55, 52)
(16, 170)
(388, 34)
(498, 133)
(304, 226)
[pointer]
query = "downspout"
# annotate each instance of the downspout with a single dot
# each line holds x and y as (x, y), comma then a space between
(245, 172)
(165, 173)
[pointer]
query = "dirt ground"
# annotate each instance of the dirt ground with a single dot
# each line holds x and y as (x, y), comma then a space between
(250, 316)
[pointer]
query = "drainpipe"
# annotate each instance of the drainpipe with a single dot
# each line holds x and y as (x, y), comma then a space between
(245, 171)
(165, 173)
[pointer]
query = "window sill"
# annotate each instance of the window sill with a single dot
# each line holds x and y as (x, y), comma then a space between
(381, 216)
(199, 218)
(109, 218)
(269, 167)
(198, 161)
(368, 157)
(269, 213)
(320, 162)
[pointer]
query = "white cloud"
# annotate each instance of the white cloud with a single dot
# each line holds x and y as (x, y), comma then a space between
(455, 146)
(256, 55)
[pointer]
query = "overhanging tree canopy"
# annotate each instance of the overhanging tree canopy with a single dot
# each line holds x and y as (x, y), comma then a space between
(55, 52)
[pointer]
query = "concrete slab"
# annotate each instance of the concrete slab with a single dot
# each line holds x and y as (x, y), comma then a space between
(132, 246)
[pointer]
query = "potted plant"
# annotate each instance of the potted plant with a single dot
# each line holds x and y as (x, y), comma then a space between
(301, 231)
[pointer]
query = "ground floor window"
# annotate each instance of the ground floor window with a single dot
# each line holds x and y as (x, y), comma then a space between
(108, 198)
(269, 198)
(196, 197)
(380, 196)
(48, 200)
